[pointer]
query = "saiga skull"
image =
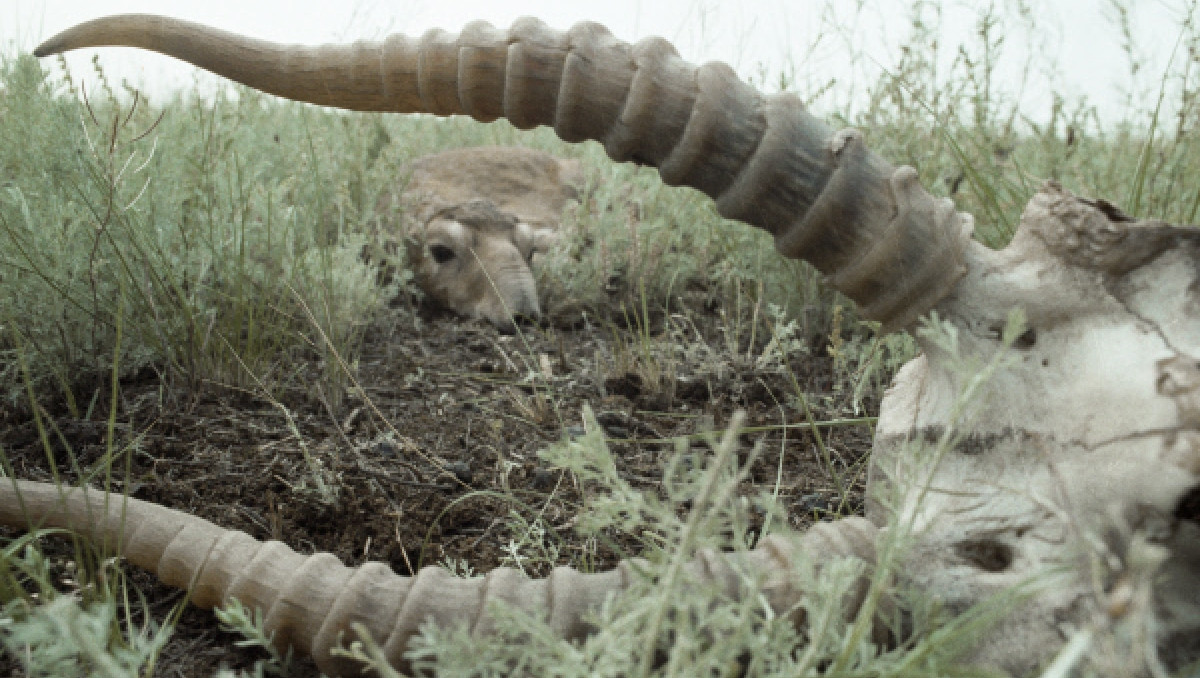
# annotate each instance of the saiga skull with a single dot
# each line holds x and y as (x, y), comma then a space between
(1078, 459)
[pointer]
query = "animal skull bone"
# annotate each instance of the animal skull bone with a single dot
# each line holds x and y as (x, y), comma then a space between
(1084, 444)
(1076, 466)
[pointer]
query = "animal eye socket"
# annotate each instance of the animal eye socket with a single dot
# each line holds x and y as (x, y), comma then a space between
(441, 253)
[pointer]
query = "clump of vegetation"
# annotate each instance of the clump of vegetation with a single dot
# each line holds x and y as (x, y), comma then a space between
(670, 621)
(221, 247)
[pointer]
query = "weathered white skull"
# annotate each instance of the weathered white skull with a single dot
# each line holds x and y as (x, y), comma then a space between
(1077, 457)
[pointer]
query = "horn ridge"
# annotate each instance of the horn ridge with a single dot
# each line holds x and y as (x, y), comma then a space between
(661, 97)
(371, 597)
(791, 166)
(721, 135)
(536, 55)
(398, 79)
(596, 78)
(438, 73)
(482, 60)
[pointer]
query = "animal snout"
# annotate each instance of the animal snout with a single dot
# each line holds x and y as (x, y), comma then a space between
(521, 320)
(522, 311)
(511, 299)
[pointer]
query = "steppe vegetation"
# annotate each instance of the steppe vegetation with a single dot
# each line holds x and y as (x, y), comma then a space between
(187, 316)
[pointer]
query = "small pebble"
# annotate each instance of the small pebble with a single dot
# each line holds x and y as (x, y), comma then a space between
(543, 479)
(618, 432)
(461, 471)
(812, 502)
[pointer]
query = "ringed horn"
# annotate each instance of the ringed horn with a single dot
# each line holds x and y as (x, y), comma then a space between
(312, 603)
(871, 229)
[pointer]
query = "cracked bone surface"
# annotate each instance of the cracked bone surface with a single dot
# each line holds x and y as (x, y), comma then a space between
(1079, 460)
(1073, 470)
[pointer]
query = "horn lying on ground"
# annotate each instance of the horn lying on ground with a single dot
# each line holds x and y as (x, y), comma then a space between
(764, 160)
(311, 602)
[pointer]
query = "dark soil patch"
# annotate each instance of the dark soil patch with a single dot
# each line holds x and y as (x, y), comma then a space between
(452, 411)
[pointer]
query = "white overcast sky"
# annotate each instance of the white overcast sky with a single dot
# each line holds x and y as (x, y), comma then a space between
(1077, 46)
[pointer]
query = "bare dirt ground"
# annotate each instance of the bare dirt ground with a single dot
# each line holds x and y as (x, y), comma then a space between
(467, 421)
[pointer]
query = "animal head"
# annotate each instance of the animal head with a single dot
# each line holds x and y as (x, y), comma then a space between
(475, 260)
(473, 220)
(1079, 464)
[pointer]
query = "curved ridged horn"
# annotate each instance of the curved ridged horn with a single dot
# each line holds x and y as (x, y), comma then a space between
(310, 602)
(879, 237)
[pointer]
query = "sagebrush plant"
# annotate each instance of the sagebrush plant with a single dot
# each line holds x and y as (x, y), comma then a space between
(187, 220)
(236, 618)
(668, 623)
(223, 233)
(63, 638)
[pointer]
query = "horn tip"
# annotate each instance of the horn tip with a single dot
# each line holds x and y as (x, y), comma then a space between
(48, 48)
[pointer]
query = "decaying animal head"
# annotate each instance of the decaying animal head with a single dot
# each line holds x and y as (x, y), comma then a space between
(475, 260)
(1074, 469)
(474, 218)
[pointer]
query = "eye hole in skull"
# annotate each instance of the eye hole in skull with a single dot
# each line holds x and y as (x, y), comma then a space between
(986, 554)
(1024, 342)
(1189, 506)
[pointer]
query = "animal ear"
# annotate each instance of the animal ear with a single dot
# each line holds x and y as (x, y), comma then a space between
(544, 239)
(570, 174)
(533, 240)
